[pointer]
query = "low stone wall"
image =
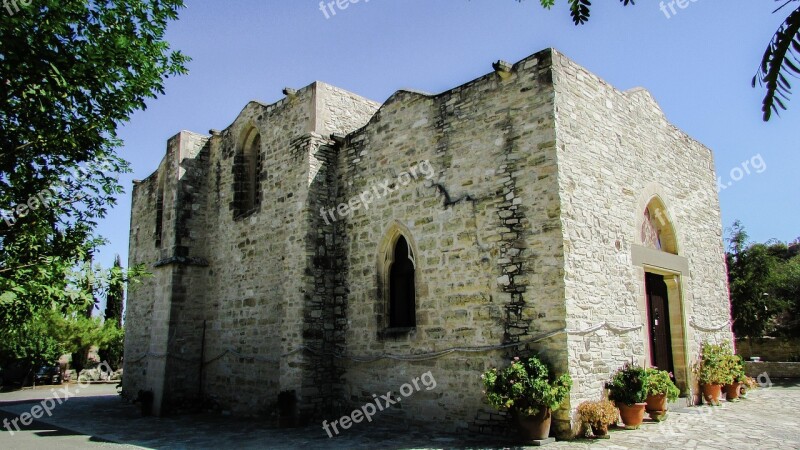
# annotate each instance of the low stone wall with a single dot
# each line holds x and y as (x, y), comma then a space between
(772, 370)
(769, 348)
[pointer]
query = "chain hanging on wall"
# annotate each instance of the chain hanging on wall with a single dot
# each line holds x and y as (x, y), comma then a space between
(416, 357)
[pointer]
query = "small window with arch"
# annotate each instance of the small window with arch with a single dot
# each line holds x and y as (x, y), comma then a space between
(247, 169)
(402, 292)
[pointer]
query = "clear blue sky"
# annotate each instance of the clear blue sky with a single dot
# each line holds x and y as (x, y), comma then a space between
(698, 65)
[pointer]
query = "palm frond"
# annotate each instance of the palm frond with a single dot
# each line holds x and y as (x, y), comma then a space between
(780, 61)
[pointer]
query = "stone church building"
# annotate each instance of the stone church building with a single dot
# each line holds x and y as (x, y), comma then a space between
(327, 249)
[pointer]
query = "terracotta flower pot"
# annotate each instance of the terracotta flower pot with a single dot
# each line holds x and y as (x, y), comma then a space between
(657, 407)
(632, 415)
(712, 393)
(656, 402)
(732, 391)
(535, 427)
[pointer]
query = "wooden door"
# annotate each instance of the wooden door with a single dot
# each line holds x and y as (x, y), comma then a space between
(658, 317)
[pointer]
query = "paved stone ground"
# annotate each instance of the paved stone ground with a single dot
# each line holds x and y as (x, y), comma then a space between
(96, 418)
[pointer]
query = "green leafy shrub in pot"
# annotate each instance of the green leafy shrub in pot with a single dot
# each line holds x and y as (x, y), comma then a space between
(736, 368)
(628, 385)
(713, 366)
(526, 387)
(659, 382)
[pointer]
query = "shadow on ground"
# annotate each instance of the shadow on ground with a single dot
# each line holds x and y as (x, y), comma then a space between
(765, 419)
(109, 418)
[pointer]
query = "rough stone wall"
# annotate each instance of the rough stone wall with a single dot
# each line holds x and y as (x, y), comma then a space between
(524, 226)
(339, 111)
(188, 270)
(613, 148)
(485, 233)
(245, 282)
(323, 319)
(256, 266)
(162, 231)
(786, 349)
(141, 301)
(766, 372)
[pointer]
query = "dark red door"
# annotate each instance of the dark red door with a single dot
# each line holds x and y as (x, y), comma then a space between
(658, 317)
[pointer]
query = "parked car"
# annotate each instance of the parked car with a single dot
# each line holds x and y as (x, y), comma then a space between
(48, 375)
(14, 374)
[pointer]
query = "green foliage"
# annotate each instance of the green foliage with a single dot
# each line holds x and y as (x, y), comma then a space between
(111, 344)
(59, 329)
(115, 297)
(628, 385)
(787, 288)
(659, 382)
(764, 281)
(735, 365)
(526, 387)
(781, 59)
(598, 413)
(30, 345)
(72, 71)
(79, 334)
(579, 9)
(713, 365)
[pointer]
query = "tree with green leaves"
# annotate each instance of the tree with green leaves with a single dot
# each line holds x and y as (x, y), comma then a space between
(52, 332)
(24, 349)
(72, 71)
(781, 58)
(787, 286)
(764, 281)
(80, 330)
(115, 297)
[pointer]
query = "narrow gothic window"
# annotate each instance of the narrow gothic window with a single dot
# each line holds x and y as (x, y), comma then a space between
(246, 183)
(402, 298)
(159, 214)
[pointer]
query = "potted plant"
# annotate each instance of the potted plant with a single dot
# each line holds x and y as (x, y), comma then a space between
(712, 371)
(749, 384)
(660, 390)
(628, 390)
(737, 377)
(528, 389)
(598, 415)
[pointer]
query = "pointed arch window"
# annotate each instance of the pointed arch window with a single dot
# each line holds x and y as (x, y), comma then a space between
(402, 293)
(398, 283)
(159, 212)
(246, 174)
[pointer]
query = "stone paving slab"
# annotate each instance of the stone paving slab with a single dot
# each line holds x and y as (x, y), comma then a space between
(768, 419)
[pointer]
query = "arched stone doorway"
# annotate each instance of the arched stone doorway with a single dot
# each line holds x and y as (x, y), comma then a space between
(660, 269)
